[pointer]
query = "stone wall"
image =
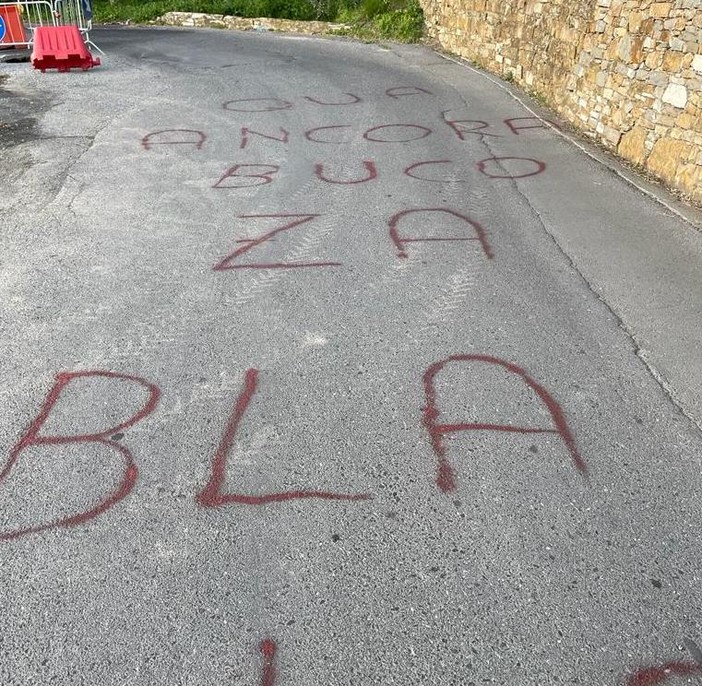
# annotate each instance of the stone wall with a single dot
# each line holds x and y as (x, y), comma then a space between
(220, 21)
(628, 72)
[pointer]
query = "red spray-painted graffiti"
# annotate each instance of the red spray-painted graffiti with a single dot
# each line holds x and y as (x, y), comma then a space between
(540, 124)
(277, 104)
(309, 136)
(257, 105)
(246, 132)
(33, 438)
(400, 241)
(410, 171)
(212, 495)
(649, 676)
(403, 135)
(369, 165)
(353, 101)
(445, 477)
(250, 175)
(268, 650)
(263, 176)
(297, 220)
(165, 138)
(405, 91)
(534, 167)
(464, 127)
(652, 676)
(461, 128)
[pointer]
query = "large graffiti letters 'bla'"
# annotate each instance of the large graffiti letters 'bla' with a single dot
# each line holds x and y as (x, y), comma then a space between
(213, 496)
(250, 243)
(401, 241)
(33, 437)
(445, 479)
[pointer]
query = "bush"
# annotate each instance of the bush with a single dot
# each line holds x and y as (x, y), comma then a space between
(405, 25)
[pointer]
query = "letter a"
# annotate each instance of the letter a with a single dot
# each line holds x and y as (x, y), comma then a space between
(445, 479)
(165, 138)
(400, 241)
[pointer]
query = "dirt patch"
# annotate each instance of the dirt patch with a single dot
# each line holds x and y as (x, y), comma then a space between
(19, 124)
(20, 114)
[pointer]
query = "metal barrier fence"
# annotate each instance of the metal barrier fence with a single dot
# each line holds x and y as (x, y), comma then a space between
(19, 19)
(77, 13)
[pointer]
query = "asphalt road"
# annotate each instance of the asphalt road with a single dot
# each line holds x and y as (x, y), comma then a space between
(303, 382)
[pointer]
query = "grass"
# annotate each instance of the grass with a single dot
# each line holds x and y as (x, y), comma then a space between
(399, 20)
(382, 20)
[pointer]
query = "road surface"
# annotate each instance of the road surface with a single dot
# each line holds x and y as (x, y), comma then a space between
(330, 363)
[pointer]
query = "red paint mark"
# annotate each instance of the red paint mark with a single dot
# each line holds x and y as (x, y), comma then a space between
(372, 173)
(404, 91)
(268, 650)
(198, 142)
(409, 171)
(445, 477)
(297, 220)
(246, 132)
(264, 177)
(265, 105)
(402, 137)
(400, 241)
(212, 496)
(354, 99)
(540, 124)
(33, 438)
(538, 167)
(460, 127)
(652, 676)
(308, 134)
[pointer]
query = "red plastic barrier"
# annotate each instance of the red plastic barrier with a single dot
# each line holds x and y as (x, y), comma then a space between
(62, 48)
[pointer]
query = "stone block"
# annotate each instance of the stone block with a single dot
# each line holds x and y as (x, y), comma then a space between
(661, 9)
(676, 95)
(672, 61)
(633, 145)
(612, 135)
(668, 156)
(635, 21)
(654, 60)
(688, 178)
(686, 121)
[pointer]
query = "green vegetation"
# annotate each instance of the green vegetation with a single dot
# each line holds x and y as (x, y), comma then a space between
(399, 20)
(147, 10)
